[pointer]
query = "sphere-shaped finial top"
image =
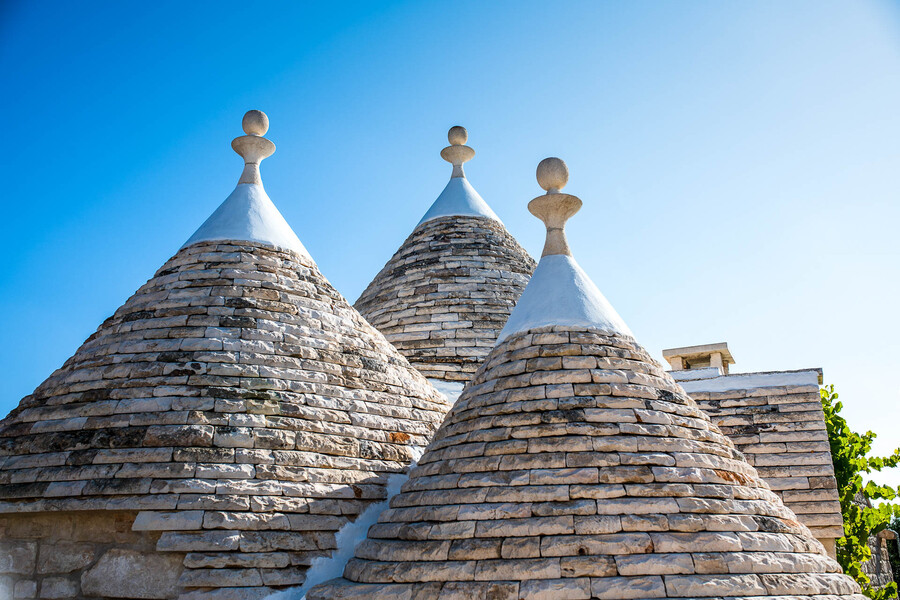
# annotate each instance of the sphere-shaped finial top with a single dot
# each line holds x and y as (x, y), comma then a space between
(457, 152)
(552, 174)
(255, 122)
(458, 135)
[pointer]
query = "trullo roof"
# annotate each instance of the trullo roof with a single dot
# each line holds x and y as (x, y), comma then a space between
(574, 467)
(236, 390)
(446, 293)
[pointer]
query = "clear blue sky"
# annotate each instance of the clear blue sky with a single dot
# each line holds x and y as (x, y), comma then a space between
(739, 162)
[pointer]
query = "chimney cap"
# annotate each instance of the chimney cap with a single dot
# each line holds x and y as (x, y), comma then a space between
(703, 351)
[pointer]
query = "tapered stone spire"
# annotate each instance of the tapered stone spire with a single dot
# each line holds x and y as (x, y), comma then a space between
(446, 293)
(459, 198)
(574, 467)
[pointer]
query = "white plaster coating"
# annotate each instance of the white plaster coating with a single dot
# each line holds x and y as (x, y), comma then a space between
(746, 381)
(459, 198)
(561, 293)
(450, 389)
(324, 568)
(702, 373)
(249, 215)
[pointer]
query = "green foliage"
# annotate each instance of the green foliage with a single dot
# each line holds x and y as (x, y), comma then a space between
(850, 452)
(893, 551)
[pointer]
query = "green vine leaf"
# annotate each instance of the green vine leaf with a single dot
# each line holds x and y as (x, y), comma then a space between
(850, 454)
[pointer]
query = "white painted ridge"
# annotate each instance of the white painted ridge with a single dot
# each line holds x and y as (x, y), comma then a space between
(691, 374)
(746, 381)
(561, 293)
(249, 215)
(459, 198)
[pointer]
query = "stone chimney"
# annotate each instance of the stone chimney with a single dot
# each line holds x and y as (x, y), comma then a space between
(705, 356)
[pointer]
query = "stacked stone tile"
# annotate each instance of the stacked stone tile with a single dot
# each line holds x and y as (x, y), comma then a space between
(776, 421)
(573, 466)
(214, 434)
(447, 292)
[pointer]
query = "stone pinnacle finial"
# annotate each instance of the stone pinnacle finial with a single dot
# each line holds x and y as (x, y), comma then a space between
(457, 136)
(554, 208)
(457, 152)
(552, 174)
(252, 147)
(255, 122)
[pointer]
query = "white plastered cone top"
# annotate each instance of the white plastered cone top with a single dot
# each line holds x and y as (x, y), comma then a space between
(459, 198)
(248, 214)
(560, 292)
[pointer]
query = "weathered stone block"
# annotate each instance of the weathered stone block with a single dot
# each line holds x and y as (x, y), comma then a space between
(587, 566)
(283, 576)
(628, 588)
(465, 590)
(522, 568)
(179, 435)
(64, 557)
(553, 589)
(654, 564)
(269, 541)
(222, 560)
(18, 557)
(701, 586)
(229, 593)
(131, 574)
(184, 520)
(58, 587)
(24, 589)
(220, 578)
(245, 521)
(171, 541)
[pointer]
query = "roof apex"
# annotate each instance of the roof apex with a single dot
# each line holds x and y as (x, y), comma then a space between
(248, 214)
(560, 293)
(459, 198)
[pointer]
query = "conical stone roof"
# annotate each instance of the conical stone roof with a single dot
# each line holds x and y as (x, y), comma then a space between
(234, 398)
(446, 293)
(574, 467)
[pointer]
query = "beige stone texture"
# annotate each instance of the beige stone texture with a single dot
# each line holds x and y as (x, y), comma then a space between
(672, 509)
(235, 404)
(130, 574)
(444, 296)
(85, 554)
(780, 429)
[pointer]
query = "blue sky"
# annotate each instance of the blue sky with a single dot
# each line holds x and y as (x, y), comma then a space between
(739, 162)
